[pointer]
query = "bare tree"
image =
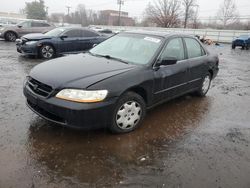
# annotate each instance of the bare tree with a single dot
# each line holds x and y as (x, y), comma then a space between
(228, 12)
(194, 17)
(165, 13)
(188, 10)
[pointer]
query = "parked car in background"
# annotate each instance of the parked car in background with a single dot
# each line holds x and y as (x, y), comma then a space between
(242, 41)
(107, 31)
(114, 83)
(11, 33)
(59, 41)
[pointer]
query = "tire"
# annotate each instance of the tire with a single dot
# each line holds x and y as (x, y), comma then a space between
(47, 51)
(205, 85)
(246, 47)
(233, 46)
(128, 114)
(10, 36)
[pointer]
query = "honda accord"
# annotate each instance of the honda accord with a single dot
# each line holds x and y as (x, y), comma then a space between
(115, 83)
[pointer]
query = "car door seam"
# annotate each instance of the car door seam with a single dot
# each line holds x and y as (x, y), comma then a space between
(164, 90)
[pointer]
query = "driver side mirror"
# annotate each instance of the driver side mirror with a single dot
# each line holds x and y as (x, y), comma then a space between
(19, 26)
(168, 61)
(63, 37)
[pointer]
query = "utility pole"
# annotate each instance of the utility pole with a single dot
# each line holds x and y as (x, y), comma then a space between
(120, 3)
(68, 8)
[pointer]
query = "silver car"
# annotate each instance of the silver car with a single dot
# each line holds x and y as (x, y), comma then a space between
(11, 33)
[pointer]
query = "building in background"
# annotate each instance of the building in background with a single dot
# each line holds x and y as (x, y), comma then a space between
(111, 17)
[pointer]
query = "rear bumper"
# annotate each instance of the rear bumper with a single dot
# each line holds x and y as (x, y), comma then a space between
(71, 114)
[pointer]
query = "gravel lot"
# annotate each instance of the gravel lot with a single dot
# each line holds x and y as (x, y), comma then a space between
(189, 142)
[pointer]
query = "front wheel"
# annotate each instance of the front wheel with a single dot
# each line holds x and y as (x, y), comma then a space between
(205, 86)
(128, 114)
(47, 51)
(10, 36)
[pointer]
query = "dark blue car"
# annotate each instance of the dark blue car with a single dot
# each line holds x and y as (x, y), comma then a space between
(59, 41)
(242, 41)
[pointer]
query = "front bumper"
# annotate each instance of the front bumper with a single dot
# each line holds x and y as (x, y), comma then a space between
(27, 49)
(1, 34)
(71, 114)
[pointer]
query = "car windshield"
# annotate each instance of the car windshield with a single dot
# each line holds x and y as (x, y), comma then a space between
(24, 24)
(55, 32)
(131, 48)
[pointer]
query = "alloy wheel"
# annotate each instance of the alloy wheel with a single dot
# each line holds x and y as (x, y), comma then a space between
(47, 51)
(11, 36)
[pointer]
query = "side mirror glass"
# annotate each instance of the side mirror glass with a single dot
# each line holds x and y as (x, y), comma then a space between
(168, 61)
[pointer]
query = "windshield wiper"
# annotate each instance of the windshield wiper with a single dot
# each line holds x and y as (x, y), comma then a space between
(108, 57)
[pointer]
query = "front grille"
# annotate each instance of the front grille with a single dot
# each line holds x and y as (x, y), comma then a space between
(39, 88)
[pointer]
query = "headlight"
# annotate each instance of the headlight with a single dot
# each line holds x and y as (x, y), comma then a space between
(2, 28)
(31, 42)
(83, 96)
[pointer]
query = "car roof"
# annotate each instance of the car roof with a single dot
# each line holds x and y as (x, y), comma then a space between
(157, 33)
(74, 27)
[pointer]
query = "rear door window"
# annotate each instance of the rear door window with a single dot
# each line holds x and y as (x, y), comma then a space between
(73, 33)
(194, 49)
(87, 33)
(37, 24)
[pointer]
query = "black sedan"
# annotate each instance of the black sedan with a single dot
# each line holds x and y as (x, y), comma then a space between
(114, 84)
(59, 41)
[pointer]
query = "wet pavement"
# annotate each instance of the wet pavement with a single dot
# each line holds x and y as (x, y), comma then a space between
(188, 142)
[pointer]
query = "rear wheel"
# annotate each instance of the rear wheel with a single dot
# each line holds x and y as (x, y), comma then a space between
(233, 46)
(128, 114)
(47, 51)
(10, 36)
(205, 86)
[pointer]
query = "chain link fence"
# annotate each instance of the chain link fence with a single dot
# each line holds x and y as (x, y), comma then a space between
(223, 36)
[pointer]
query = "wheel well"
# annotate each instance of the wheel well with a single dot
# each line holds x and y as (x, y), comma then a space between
(140, 91)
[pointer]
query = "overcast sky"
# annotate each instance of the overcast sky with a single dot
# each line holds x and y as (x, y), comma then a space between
(134, 7)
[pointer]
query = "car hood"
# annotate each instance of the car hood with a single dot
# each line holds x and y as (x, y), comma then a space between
(77, 71)
(36, 36)
(242, 38)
